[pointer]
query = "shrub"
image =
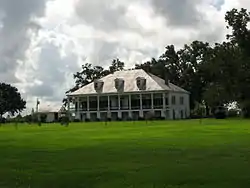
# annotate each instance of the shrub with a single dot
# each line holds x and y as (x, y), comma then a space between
(130, 119)
(141, 119)
(76, 120)
(64, 120)
(43, 118)
(2, 120)
(233, 113)
(220, 113)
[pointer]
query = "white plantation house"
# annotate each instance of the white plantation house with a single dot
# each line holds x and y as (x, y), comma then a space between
(128, 95)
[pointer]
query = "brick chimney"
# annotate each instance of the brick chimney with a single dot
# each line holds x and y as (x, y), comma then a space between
(166, 80)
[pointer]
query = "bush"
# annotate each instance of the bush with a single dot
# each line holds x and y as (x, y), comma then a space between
(3, 120)
(43, 118)
(76, 120)
(64, 120)
(162, 118)
(130, 119)
(220, 113)
(194, 116)
(28, 119)
(141, 119)
(233, 113)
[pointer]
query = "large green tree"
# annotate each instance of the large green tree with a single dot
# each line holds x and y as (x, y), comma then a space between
(10, 100)
(183, 67)
(238, 21)
(222, 74)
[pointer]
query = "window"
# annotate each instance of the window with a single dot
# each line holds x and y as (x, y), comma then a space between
(181, 100)
(173, 100)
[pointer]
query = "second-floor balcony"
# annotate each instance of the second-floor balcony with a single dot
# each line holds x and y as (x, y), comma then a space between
(116, 108)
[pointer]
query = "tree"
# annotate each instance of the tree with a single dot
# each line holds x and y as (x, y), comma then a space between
(238, 21)
(184, 67)
(222, 74)
(10, 100)
(116, 65)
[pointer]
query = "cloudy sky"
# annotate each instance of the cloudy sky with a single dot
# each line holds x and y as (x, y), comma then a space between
(43, 42)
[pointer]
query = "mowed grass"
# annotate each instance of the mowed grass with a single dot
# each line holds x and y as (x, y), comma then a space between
(167, 154)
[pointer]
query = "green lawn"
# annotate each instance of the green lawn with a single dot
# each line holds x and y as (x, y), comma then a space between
(169, 154)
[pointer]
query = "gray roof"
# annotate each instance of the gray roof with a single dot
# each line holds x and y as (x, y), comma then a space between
(50, 109)
(153, 83)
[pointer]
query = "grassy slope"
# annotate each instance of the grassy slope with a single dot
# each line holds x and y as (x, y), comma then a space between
(161, 154)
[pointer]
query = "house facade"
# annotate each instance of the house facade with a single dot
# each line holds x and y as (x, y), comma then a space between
(127, 95)
(50, 114)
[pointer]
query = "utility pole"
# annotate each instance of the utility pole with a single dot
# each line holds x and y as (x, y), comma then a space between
(37, 105)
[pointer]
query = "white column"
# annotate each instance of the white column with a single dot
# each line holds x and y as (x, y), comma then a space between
(88, 114)
(129, 102)
(140, 101)
(164, 100)
(98, 107)
(119, 102)
(129, 106)
(119, 107)
(87, 103)
(141, 111)
(78, 108)
(164, 105)
(152, 101)
(170, 105)
(108, 103)
(98, 103)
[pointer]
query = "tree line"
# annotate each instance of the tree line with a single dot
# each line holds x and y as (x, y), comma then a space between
(215, 74)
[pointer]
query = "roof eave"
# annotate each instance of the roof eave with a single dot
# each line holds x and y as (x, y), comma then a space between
(131, 92)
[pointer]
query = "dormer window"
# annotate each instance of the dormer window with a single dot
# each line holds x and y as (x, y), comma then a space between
(119, 84)
(98, 85)
(141, 83)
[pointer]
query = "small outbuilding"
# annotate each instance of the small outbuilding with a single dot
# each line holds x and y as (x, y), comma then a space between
(50, 114)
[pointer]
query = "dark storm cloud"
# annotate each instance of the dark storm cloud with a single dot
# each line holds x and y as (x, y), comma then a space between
(104, 52)
(16, 21)
(178, 13)
(41, 91)
(51, 71)
(109, 15)
(102, 14)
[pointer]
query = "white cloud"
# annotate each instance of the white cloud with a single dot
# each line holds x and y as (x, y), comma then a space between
(73, 31)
